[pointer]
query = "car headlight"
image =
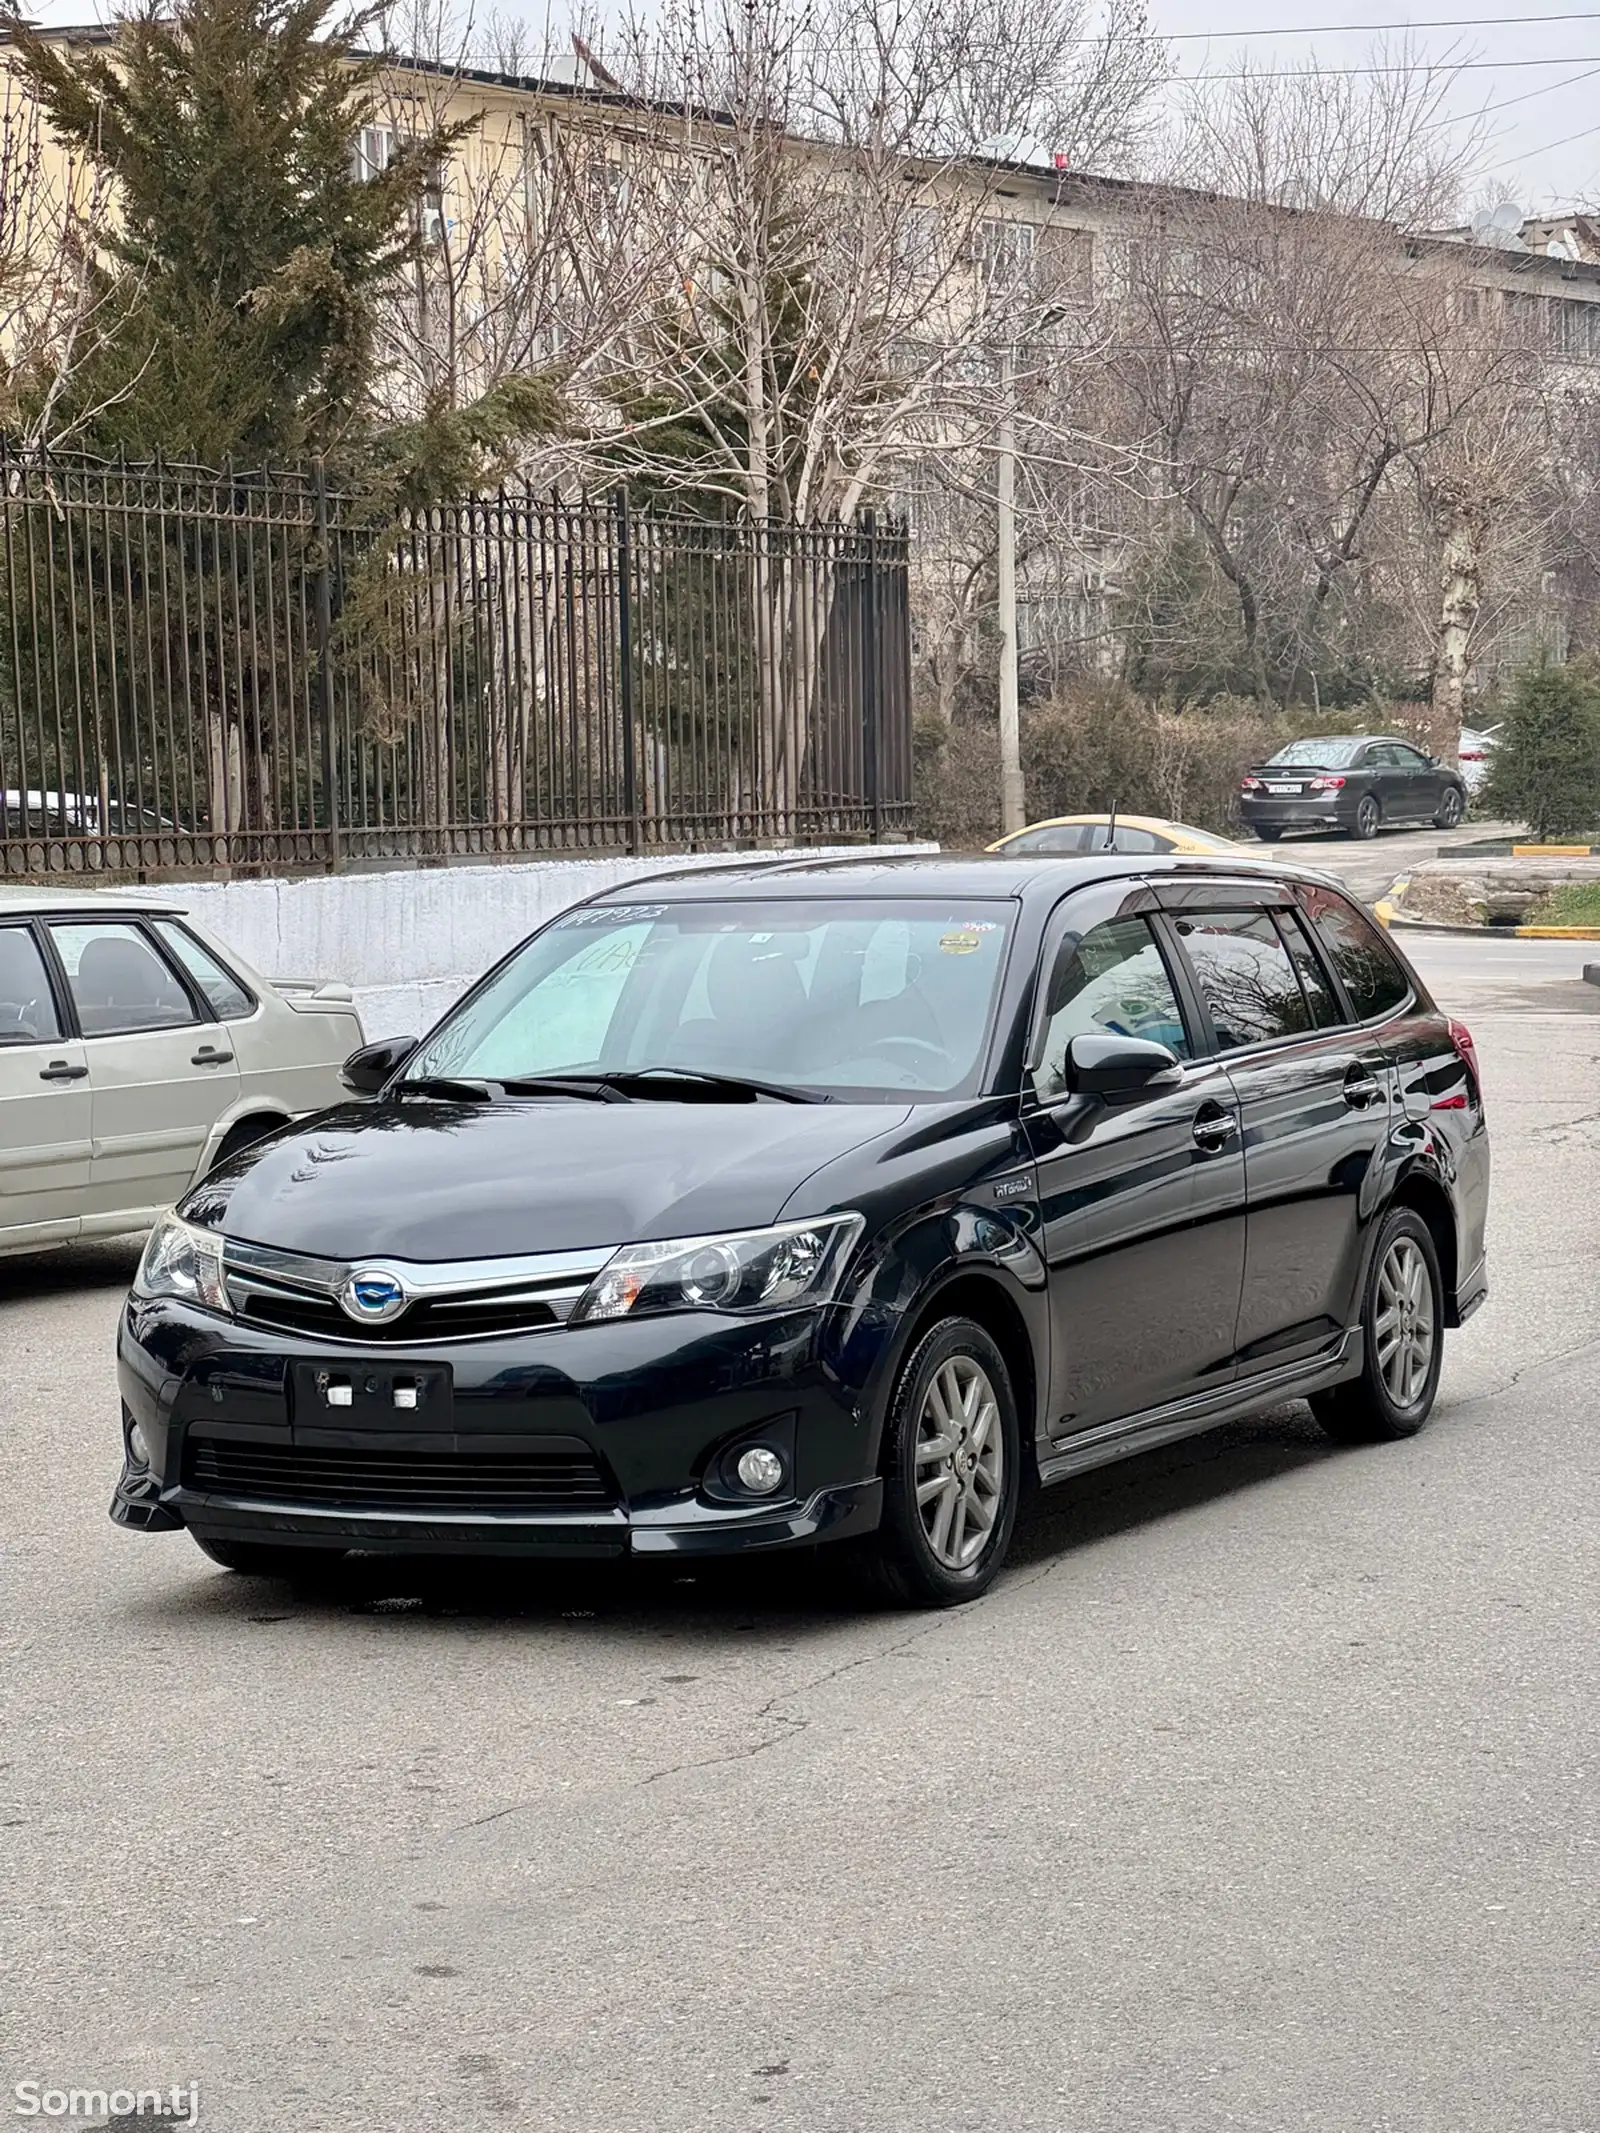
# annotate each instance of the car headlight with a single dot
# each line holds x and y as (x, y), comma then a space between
(183, 1261)
(776, 1269)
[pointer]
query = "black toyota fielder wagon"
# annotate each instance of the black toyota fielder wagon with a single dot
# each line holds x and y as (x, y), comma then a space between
(821, 1202)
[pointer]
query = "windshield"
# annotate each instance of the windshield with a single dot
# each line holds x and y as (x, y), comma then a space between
(1320, 755)
(876, 1000)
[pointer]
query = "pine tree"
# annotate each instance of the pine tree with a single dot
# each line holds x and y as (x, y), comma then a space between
(1545, 769)
(250, 254)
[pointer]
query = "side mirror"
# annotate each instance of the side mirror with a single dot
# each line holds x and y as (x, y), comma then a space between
(365, 1072)
(1116, 1068)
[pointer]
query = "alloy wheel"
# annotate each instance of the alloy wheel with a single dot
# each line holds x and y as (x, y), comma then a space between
(959, 1463)
(1403, 1322)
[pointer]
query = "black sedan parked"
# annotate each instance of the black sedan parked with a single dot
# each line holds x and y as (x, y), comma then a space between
(757, 1208)
(1350, 783)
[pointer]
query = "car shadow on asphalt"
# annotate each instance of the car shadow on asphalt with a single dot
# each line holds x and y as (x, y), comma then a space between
(791, 1593)
(71, 1269)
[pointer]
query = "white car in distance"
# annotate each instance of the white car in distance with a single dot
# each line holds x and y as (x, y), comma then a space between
(135, 1053)
(1477, 746)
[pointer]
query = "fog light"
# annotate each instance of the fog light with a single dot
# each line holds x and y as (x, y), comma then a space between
(138, 1445)
(760, 1470)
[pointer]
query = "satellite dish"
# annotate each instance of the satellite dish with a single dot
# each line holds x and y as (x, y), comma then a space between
(1482, 222)
(1017, 148)
(1507, 216)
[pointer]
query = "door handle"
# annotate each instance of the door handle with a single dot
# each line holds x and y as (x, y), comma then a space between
(58, 1070)
(1214, 1128)
(1362, 1089)
(207, 1057)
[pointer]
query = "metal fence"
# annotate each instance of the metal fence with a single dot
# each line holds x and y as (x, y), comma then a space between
(206, 670)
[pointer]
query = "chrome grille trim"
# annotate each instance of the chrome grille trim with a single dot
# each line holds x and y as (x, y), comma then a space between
(548, 1282)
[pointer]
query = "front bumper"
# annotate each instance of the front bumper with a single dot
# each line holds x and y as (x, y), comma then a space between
(633, 1420)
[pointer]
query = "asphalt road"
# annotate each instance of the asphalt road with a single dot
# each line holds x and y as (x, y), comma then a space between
(1261, 1792)
(1368, 868)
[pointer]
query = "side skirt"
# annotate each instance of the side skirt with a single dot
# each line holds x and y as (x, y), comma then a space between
(1110, 1441)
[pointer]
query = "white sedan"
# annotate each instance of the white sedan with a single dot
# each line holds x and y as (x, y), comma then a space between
(135, 1053)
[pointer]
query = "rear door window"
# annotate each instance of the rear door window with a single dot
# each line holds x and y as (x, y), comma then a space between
(27, 1004)
(1056, 837)
(1367, 966)
(1246, 976)
(119, 982)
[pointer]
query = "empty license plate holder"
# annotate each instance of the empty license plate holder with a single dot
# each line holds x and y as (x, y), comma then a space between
(388, 1396)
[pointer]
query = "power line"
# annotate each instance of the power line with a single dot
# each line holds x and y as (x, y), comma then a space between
(1543, 148)
(1551, 88)
(1338, 29)
(1443, 66)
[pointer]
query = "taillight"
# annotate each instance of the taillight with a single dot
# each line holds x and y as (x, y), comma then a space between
(1249, 784)
(1473, 755)
(1466, 1051)
(1326, 784)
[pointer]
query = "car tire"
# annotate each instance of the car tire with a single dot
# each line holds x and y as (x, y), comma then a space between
(1368, 816)
(1451, 809)
(260, 1559)
(1395, 1392)
(1268, 836)
(928, 1551)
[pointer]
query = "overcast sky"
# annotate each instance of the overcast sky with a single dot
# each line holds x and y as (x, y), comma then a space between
(1545, 117)
(1531, 151)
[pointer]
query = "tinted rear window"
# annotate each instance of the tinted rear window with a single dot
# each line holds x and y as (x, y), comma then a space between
(1319, 755)
(1371, 974)
(1245, 976)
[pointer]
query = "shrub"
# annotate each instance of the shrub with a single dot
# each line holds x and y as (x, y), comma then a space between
(1545, 770)
(956, 783)
(1095, 746)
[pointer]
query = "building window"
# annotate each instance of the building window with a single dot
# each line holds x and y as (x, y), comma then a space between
(1066, 264)
(914, 242)
(1005, 252)
(373, 151)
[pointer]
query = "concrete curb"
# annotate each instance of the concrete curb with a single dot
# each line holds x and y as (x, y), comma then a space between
(1388, 913)
(1397, 924)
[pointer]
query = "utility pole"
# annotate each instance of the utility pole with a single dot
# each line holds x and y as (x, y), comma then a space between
(1013, 803)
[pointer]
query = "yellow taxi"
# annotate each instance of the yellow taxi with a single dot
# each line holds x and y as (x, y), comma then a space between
(1110, 833)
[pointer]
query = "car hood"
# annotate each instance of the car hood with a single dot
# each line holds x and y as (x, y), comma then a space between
(442, 1181)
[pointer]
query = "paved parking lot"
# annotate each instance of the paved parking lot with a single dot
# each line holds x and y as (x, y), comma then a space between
(1260, 1793)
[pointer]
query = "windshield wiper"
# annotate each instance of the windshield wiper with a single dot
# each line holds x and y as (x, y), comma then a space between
(589, 1088)
(444, 1085)
(592, 1088)
(775, 1089)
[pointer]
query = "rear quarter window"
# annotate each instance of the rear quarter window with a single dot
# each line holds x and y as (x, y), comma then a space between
(1368, 967)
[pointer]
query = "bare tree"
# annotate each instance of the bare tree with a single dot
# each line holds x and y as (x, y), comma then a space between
(1282, 347)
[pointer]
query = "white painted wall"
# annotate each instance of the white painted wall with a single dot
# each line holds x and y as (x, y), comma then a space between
(409, 942)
